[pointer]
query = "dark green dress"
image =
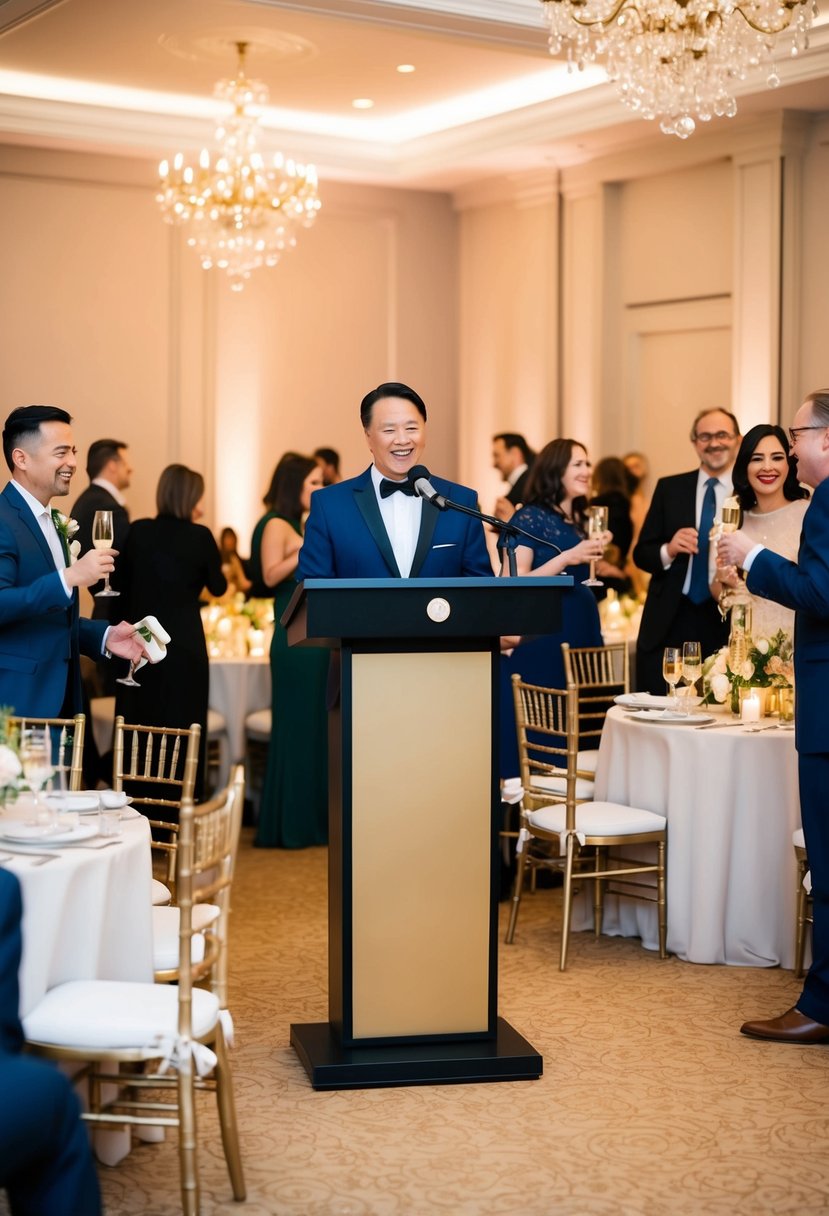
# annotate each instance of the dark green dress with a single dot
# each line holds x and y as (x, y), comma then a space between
(294, 805)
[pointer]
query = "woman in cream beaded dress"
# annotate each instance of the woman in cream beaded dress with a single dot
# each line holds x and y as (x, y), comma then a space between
(773, 504)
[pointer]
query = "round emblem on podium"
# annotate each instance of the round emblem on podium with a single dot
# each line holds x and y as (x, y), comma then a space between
(438, 609)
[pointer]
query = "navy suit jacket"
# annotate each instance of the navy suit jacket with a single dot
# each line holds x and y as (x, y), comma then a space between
(345, 536)
(41, 633)
(804, 586)
(11, 947)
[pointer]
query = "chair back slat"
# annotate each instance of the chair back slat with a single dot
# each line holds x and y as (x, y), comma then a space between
(599, 674)
(66, 733)
(546, 722)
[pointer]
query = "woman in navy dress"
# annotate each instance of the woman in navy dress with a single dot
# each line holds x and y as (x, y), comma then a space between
(554, 513)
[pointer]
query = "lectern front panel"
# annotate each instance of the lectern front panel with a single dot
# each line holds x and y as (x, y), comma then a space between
(421, 796)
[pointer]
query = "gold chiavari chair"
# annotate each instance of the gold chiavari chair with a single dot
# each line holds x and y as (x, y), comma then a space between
(216, 829)
(157, 766)
(571, 833)
(599, 673)
(110, 1024)
(804, 915)
(67, 744)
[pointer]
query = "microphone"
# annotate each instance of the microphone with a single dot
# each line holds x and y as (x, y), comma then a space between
(418, 479)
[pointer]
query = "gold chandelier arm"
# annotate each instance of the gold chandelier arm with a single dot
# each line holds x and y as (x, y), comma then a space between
(788, 6)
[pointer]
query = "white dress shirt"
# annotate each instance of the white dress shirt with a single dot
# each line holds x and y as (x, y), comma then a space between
(401, 518)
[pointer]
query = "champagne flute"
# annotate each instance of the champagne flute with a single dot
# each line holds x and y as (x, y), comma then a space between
(671, 672)
(36, 761)
(102, 537)
(596, 525)
(129, 679)
(691, 667)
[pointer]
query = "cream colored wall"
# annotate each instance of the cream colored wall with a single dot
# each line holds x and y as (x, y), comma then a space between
(508, 321)
(813, 280)
(106, 312)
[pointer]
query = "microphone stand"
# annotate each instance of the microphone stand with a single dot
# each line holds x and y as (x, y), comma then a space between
(509, 531)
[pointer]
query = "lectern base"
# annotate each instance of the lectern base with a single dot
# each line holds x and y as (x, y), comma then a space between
(509, 1057)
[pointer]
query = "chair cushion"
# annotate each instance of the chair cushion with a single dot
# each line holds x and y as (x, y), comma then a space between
(166, 923)
(585, 788)
(161, 894)
(587, 761)
(216, 724)
(100, 1014)
(258, 725)
(599, 819)
(798, 839)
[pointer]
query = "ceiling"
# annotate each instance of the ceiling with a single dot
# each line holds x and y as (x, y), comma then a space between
(485, 99)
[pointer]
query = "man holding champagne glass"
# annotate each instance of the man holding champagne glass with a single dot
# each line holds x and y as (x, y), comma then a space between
(42, 634)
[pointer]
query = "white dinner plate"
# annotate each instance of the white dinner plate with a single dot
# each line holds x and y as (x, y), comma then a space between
(640, 700)
(82, 803)
(672, 719)
(39, 834)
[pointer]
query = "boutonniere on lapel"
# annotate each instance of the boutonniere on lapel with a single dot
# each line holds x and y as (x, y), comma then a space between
(66, 529)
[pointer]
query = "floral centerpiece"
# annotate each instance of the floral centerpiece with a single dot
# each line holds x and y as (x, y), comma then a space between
(11, 770)
(768, 663)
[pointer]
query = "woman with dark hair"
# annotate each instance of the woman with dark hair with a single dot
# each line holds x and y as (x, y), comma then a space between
(555, 513)
(259, 587)
(773, 504)
(232, 566)
(167, 563)
(294, 805)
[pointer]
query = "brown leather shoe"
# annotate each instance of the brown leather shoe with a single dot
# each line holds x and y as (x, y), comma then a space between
(791, 1027)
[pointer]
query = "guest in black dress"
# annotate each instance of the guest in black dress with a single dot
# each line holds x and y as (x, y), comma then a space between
(167, 563)
(611, 489)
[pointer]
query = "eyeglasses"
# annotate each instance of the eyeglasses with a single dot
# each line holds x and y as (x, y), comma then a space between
(719, 436)
(794, 431)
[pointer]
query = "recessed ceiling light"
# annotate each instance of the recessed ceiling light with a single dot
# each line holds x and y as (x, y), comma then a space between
(362, 103)
(405, 68)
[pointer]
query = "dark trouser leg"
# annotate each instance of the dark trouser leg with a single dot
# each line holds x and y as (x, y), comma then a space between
(814, 810)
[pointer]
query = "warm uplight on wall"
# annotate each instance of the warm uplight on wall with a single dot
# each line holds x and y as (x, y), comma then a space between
(405, 68)
(362, 103)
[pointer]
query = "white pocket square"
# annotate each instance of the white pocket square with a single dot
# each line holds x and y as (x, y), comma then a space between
(448, 545)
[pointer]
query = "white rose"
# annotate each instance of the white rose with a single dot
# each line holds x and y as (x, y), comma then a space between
(10, 766)
(720, 663)
(720, 686)
(746, 670)
(74, 551)
(762, 645)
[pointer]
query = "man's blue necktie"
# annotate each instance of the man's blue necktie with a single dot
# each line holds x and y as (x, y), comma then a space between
(699, 591)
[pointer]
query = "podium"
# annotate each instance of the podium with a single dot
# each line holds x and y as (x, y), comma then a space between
(414, 810)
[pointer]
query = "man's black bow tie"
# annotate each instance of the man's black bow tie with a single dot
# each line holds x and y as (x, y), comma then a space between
(389, 487)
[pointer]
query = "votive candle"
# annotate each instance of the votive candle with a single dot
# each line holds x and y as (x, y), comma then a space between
(750, 711)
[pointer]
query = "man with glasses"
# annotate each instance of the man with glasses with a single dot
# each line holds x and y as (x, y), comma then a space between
(673, 549)
(804, 586)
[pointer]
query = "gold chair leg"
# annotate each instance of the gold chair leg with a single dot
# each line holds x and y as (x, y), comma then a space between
(800, 940)
(227, 1118)
(187, 1140)
(567, 896)
(598, 893)
(662, 901)
(516, 892)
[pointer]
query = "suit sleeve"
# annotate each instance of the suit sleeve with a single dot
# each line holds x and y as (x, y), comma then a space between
(17, 603)
(656, 532)
(802, 585)
(316, 557)
(91, 637)
(214, 580)
(11, 911)
(476, 560)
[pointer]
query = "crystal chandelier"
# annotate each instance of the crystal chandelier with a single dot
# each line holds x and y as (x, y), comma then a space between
(678, 59)
(239, 213)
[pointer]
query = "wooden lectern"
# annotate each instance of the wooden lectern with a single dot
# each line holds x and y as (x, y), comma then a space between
(413, 826)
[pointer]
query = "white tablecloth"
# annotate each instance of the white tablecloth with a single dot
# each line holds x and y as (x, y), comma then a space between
(237, 688)
(731, 801)
(86, 914)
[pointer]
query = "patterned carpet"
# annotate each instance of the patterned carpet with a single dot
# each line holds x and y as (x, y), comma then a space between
(650, 1103)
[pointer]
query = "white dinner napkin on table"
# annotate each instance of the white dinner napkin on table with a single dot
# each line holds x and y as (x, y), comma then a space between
(155, 637)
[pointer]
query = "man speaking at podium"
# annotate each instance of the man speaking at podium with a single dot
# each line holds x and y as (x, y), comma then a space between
(376, 525)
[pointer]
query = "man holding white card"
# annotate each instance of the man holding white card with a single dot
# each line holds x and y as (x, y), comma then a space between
(42, 634)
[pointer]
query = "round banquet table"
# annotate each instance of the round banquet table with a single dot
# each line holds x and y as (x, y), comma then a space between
(237, 688)
(87, 914)
(731, 801)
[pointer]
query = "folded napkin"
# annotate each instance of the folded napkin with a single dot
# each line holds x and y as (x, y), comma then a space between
(155, 638)
(111, 800)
